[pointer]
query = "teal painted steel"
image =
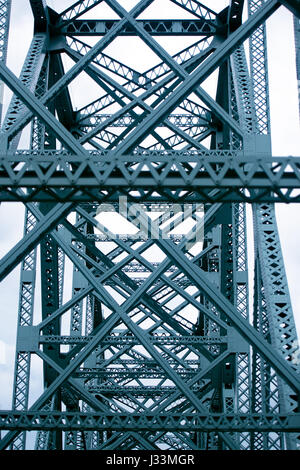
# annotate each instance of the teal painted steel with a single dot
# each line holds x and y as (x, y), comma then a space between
(143, 327)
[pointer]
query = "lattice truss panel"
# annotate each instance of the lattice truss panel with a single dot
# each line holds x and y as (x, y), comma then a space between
(148, 134)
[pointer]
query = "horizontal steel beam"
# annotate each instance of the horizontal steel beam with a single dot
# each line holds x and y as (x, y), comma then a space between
(210, 176)
(180, 120)
(188, 27)
(124, 339)
(138, 390)
(143, 371)
(95, 421)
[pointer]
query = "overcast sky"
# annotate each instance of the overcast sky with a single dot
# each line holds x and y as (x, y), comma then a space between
(285, 141)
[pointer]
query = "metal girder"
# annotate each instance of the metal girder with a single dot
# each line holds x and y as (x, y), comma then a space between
(187, 339)
(75, 386)
(25, 318)
(268, 309)
(187, 27)
(211, 177)
(5, 8)
(180, 120)
(149, 422)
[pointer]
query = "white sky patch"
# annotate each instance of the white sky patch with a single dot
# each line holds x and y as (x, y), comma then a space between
(2, 353)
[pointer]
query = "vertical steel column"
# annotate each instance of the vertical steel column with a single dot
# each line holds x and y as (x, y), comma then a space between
(91, 438)
(93, 318)
(76, 327)
(273, 315)
(30, 76)
(259, 72)
(242, 109)
(73, 439)
(51, 285)
(44, 439)
(25, 319)
(230, 262)
(234, 282)
(5, 10)
(262, 375)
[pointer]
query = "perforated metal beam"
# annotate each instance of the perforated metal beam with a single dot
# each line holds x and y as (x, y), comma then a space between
(149, 422)
(212, 176)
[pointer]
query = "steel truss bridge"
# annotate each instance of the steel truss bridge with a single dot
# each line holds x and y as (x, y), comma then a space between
(154, 341)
